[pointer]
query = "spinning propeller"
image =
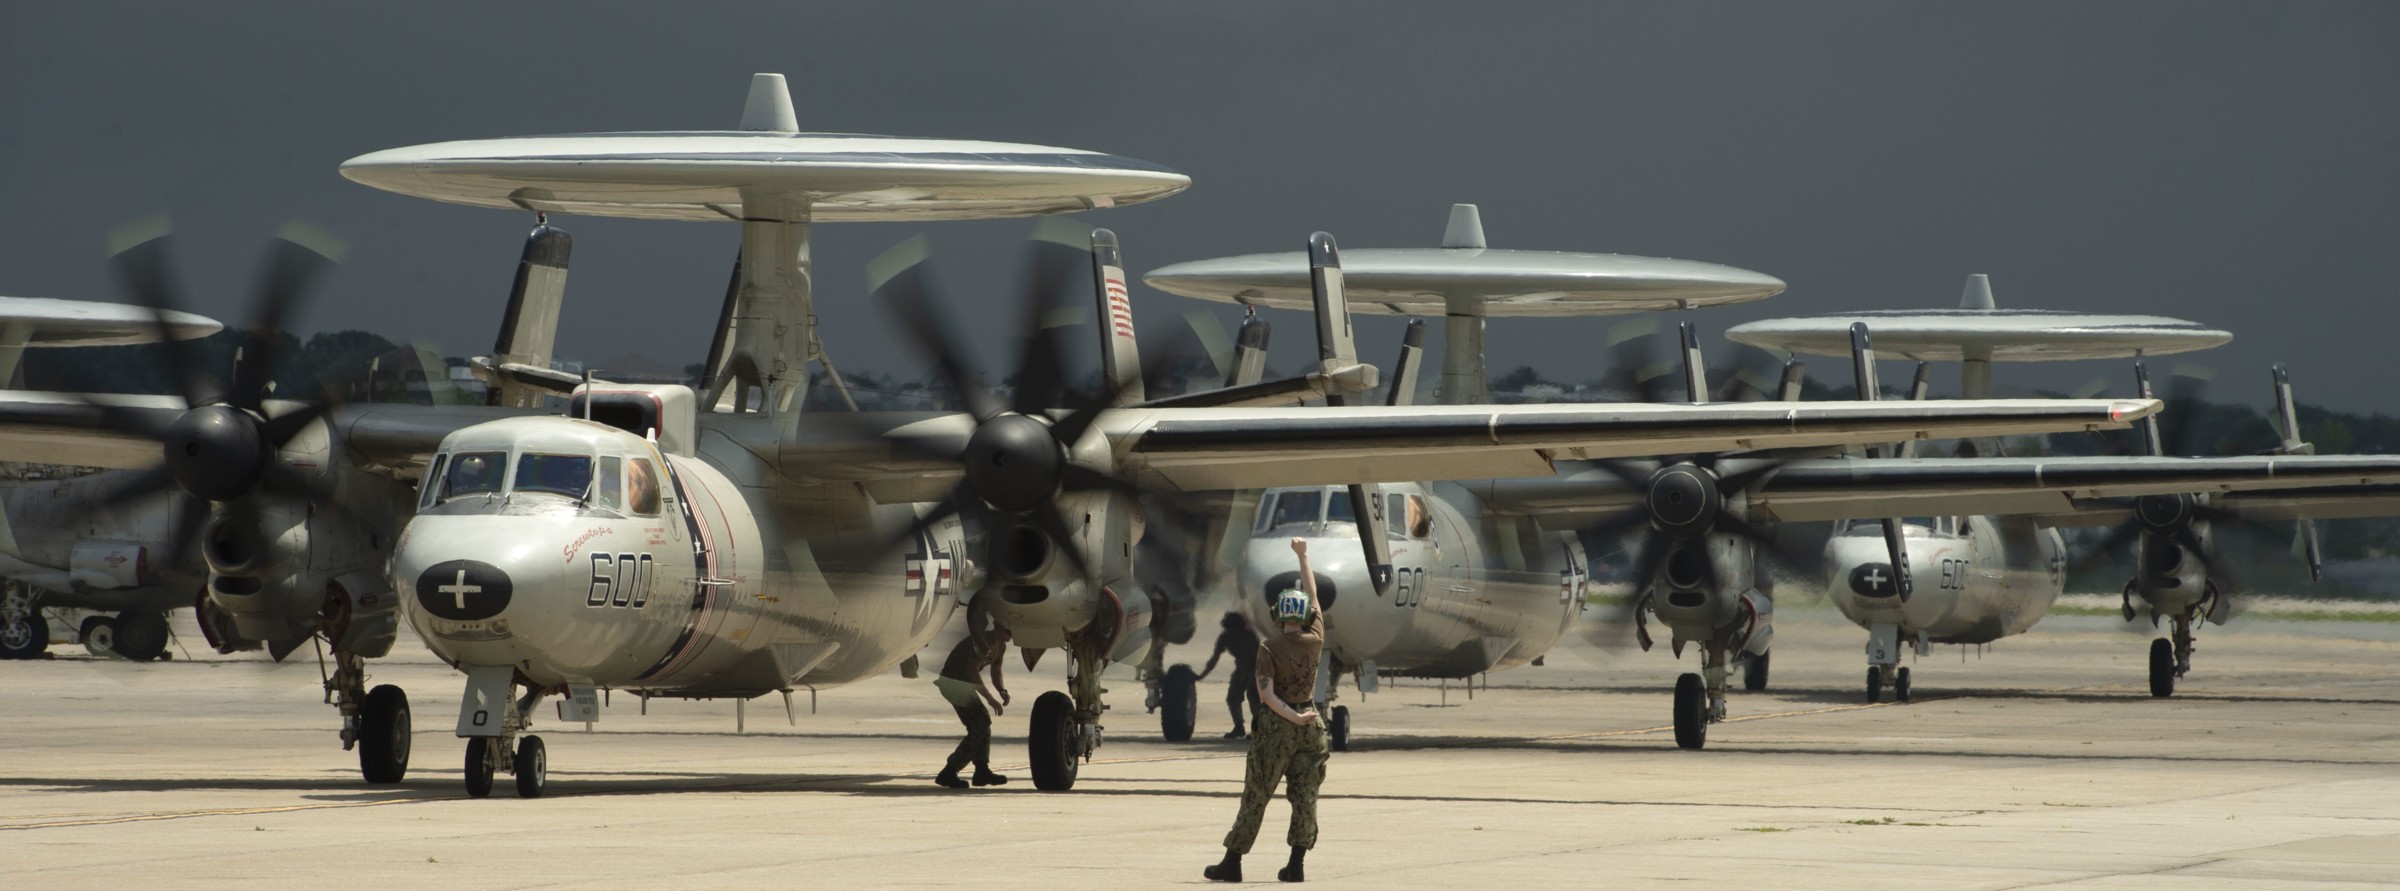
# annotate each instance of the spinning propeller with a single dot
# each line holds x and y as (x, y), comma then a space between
(1021, 457)
(221, 448)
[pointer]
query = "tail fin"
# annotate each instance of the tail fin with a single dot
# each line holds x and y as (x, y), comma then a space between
(1249, 353)
(529, 328)
(1404, 369)
(1695, 374)
(2287, 423)
(1978, 294)
(1337, 349)
(1120, 352)
(1794, 375)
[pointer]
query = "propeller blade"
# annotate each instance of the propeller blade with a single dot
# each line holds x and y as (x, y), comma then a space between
(298, 256)
(1895, 545)
(902, 280)
(1041, 378)
(138, 254)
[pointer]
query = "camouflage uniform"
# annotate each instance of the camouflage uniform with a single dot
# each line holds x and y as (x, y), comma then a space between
(1281, 750)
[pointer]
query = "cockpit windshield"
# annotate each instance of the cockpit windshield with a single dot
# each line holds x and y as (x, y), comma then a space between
(1295, 507)
(1921, 526)
(1337, 510)
(569, 475)
(475, 473)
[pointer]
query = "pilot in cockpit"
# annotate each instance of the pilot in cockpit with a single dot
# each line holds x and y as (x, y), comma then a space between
(474, 472)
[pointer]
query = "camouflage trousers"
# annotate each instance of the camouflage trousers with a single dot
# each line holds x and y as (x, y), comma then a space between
(1281, 751)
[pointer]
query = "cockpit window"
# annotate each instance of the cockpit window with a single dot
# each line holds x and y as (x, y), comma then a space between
(432, 482)
(612, 483)
(1338, 509)
(641, 484)
(569, 475)
(1296, 507)
(475, 473)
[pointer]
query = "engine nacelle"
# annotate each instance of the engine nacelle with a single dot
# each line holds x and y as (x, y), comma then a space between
(256, 574)
(109, 564)
(361, 614)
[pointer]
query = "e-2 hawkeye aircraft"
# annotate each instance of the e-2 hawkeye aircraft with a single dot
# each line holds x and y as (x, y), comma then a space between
(1995, 556)
(66, 537)
(1427, 583)
(751, 552)
(1698, 564)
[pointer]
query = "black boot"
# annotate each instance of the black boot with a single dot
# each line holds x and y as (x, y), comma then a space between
(949, 778)
(1227, 870)
(1291, 872)
(985, 777)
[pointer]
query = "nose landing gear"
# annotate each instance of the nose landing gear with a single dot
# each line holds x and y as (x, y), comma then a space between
(489, 690)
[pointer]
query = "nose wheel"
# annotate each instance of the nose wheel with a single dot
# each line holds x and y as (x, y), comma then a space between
(1880, 676)
(524, 758)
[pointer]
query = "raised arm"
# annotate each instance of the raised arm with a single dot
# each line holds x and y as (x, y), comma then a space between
(1308, 579)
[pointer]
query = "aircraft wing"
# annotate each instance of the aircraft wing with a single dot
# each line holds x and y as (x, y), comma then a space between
(2060, 491)
(88, 431)
(1237, 448)
(101, 430)
(1204, 449)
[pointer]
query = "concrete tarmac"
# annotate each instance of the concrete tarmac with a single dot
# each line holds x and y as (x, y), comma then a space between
(2042, 762)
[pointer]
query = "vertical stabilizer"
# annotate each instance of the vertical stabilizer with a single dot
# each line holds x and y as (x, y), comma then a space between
(2305, 543)
(1695, 374)
(529, 327)
(1405, 369)
(1120, 353)
(769, 107)
(1978, 294)
(1249, 353)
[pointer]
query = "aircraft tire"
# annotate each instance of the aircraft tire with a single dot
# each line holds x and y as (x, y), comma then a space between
(1754, 673)
(533, 768)
(1051, 740)
(1900, 685)
(2162, 668)
(99, 636)
(1691, 711)
(1874, 685)
(1337, 730)
(479, 766)
(141, 636)
(25, 637)
(383, 736)
(1179, 704)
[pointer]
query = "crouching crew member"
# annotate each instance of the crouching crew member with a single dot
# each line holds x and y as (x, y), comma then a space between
(961, 682)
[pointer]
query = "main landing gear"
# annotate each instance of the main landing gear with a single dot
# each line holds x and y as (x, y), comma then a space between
(24, 634)
(1178, 703)
(1700, 697)
(490, 689)
(375, 723)
(1066, 726)
(137, 636)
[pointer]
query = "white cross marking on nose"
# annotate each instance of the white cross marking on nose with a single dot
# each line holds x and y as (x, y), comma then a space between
(460, 589)
(1874, 577)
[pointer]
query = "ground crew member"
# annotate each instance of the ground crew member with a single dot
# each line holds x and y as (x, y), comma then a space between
(961, 682)
(1238, 640)
(1288, 742)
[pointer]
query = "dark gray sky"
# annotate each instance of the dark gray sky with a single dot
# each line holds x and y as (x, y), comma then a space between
(2233, 163)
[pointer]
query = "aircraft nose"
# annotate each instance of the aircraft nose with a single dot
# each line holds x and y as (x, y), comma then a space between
(463, 590)
(1874, 580)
